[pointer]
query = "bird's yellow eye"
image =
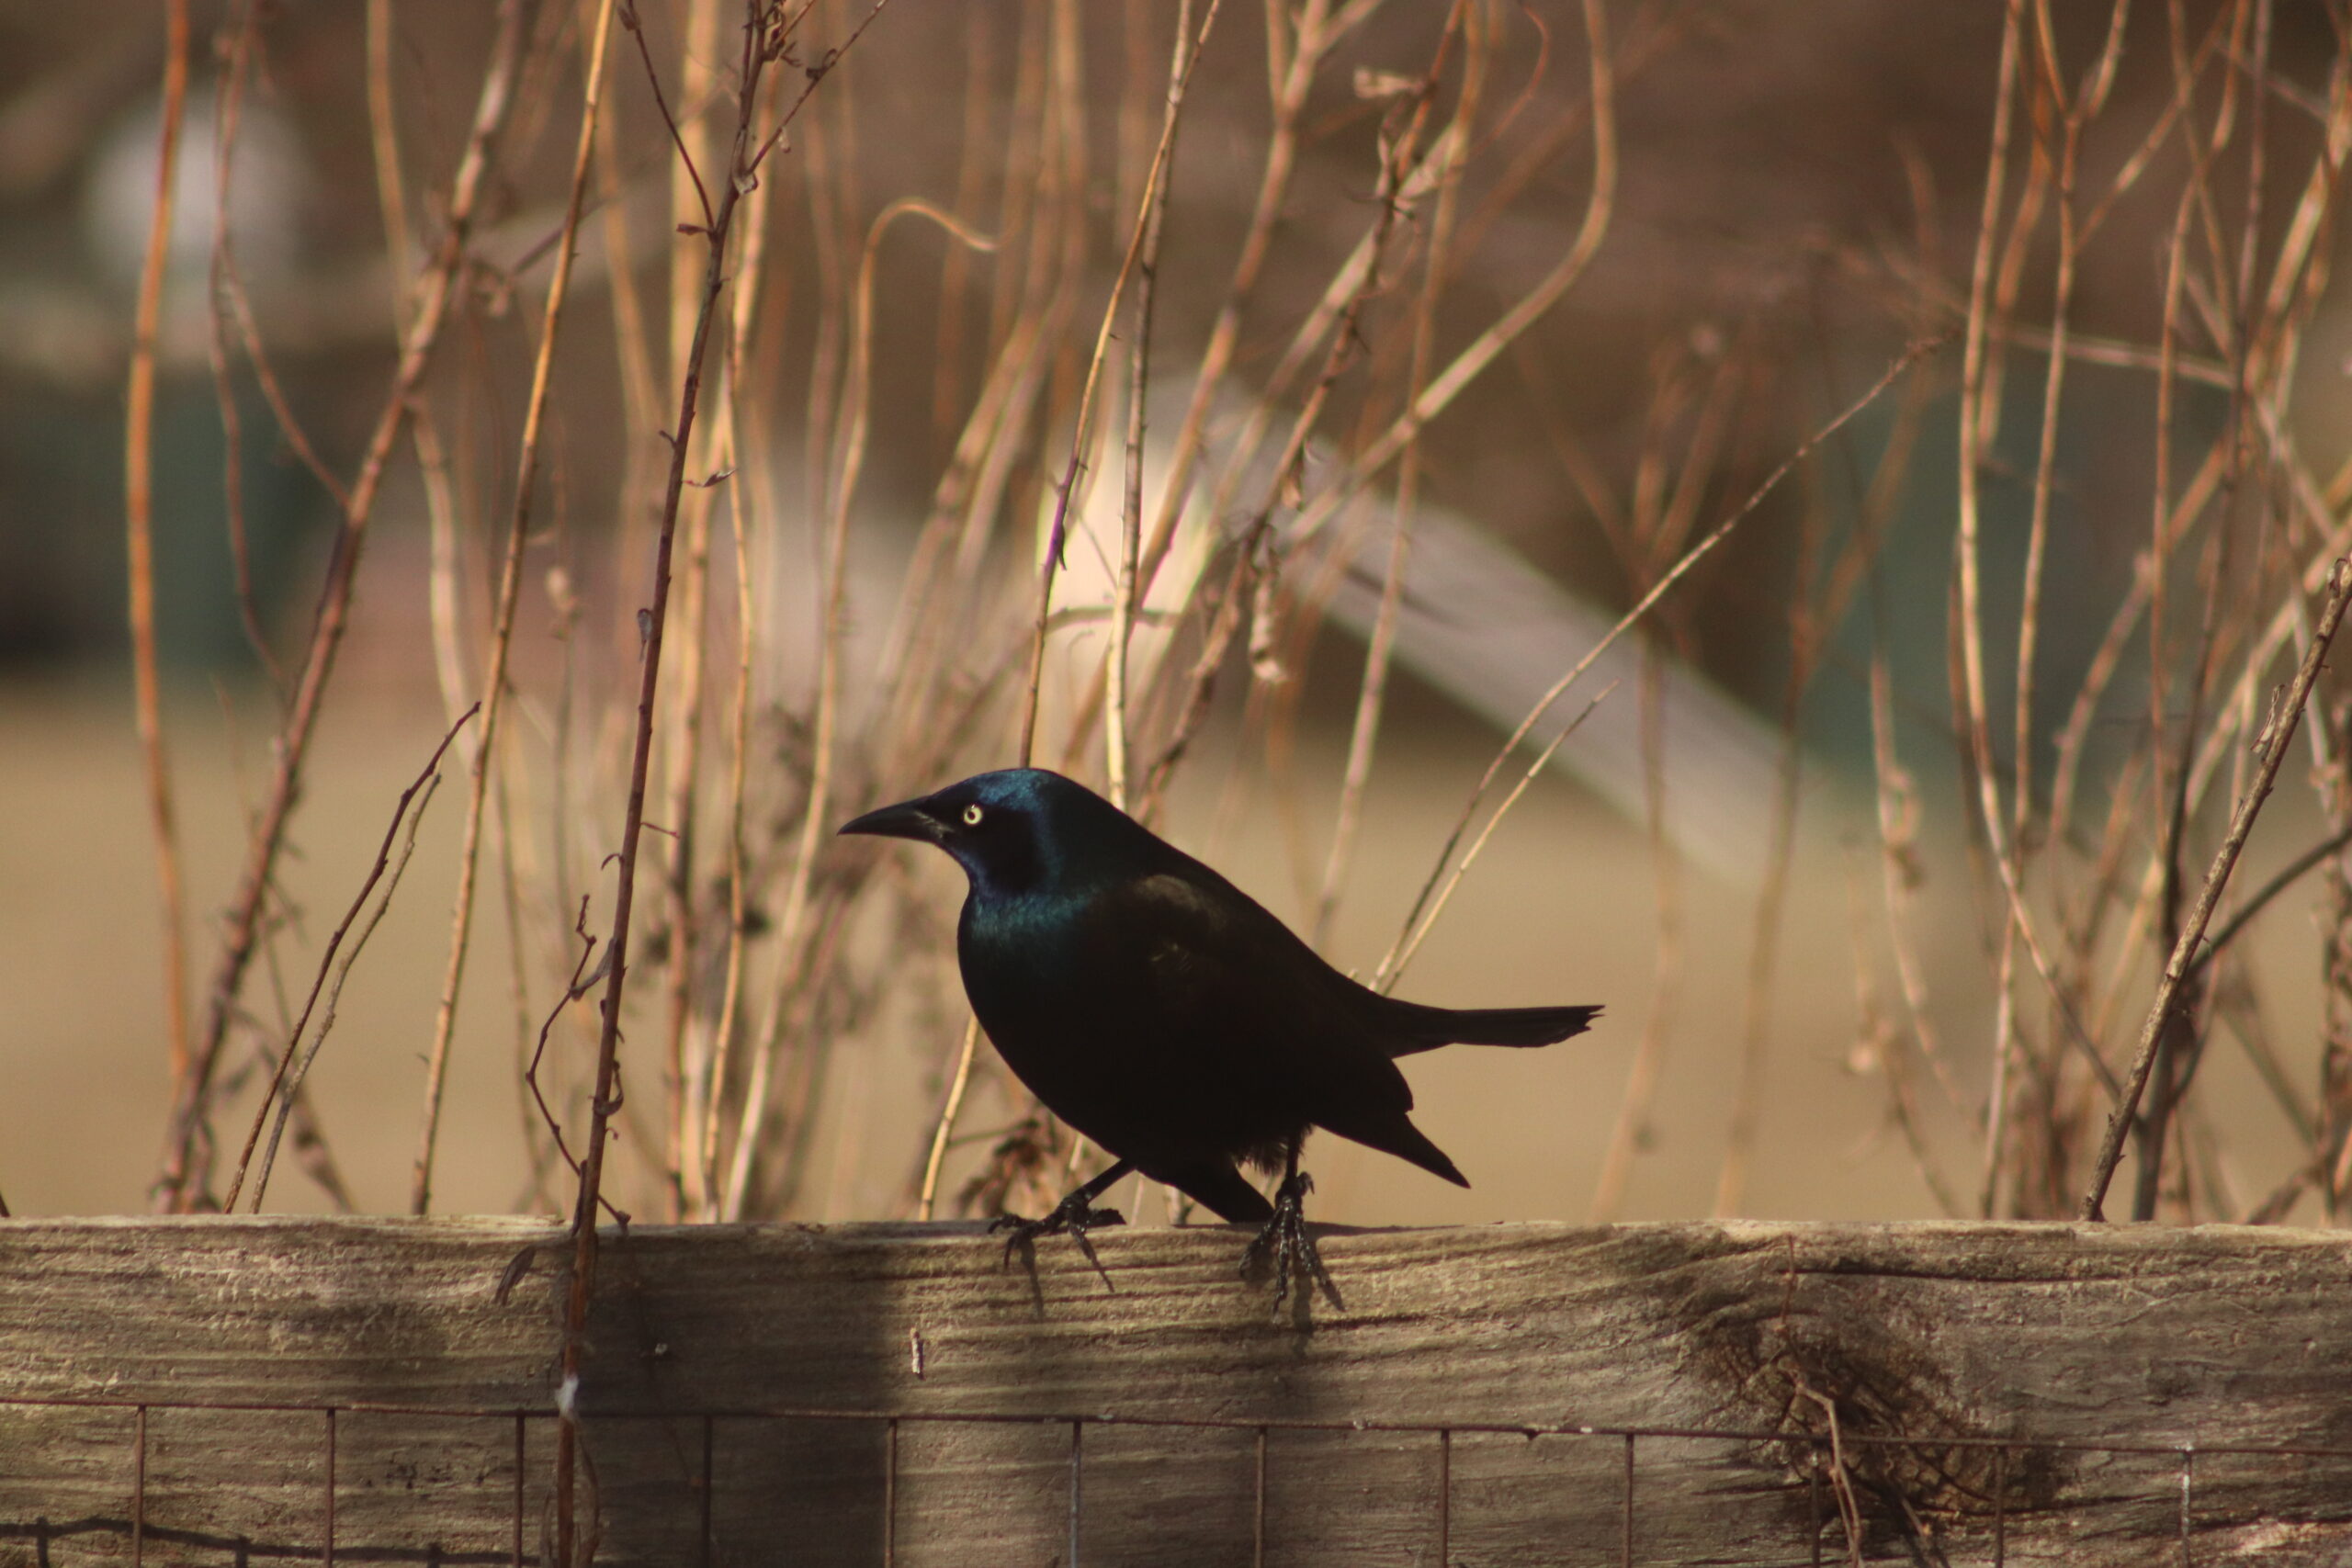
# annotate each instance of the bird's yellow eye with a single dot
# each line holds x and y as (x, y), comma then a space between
(972, 814)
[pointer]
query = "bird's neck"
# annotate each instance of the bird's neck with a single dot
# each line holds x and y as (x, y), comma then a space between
(1056, 872)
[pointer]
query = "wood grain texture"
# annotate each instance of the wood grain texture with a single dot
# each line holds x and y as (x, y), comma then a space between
(770, 1360)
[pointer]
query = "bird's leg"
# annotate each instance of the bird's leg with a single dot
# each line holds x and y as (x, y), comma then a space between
(1073, 1216)
(1286, 1238)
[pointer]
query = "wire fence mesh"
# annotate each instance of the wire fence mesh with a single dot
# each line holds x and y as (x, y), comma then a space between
(1854, 1504)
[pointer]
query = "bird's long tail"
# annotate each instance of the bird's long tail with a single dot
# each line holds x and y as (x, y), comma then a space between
(1413, 1027)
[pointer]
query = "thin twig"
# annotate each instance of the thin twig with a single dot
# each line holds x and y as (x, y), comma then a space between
(2285, 878)
(849, 468)
(1880, 1046)
(680, 748)
(2090, 98)
(585, 979)
(1391, 973)
(290, 1102)
(510, 587)
(425, 782)
(229, 96)
(1291, 79)
(1780, 858)
(1841, 1473)
(1630, 1131)
(1642, 607)
(639, 397)
(2230, 320)
(139, 510)
(180, 1183)
(1978, 752)
(1081, 435)
(944, 1131)
(1155, 212)
(760, 49)
(2178, 968)
(1334, 324)
(695, 60)
(1132, 578)
(383, 131)
(1371, 691)
(1531, 307)
(703, 1151)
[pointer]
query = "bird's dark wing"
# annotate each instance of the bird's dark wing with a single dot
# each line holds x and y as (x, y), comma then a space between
(1216, 959)
(1248, 1013)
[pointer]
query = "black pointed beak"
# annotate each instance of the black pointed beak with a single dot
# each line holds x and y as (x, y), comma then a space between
(905, 820)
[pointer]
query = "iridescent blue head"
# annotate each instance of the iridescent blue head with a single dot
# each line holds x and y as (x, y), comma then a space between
(1020, 829)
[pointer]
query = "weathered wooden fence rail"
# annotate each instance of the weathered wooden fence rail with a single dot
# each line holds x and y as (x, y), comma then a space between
(249, 1391)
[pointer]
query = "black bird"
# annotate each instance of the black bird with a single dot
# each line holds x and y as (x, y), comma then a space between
(1167, 1015)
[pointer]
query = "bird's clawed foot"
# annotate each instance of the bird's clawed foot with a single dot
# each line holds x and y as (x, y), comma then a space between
(1286, 1245)
(1073, 1216)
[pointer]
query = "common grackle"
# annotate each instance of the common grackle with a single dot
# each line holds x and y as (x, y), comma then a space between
(1164, 1013)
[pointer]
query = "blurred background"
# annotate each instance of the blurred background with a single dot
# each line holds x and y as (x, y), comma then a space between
(1959, 391)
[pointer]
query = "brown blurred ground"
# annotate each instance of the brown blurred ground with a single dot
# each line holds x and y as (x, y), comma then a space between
(1556, 910)
(1560, 908)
